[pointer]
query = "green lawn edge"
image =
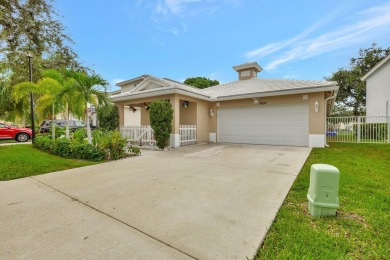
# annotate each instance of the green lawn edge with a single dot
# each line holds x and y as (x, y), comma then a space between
(18, 161)
(361, 229)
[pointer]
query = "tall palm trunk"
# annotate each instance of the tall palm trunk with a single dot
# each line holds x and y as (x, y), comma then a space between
(24, 119)
(88, 126)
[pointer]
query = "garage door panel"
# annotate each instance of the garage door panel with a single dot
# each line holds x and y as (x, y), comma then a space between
(277, 125)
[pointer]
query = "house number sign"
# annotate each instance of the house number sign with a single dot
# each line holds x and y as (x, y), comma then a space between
(262, 102)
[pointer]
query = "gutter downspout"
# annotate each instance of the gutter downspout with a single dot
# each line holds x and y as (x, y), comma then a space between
(325, 103)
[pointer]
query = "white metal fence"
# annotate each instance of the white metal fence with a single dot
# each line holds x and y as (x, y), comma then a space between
(187, 134)
(358, 129)
(142, 134)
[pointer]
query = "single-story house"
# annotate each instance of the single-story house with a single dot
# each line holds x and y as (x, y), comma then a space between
(378, 89)
(250, 110)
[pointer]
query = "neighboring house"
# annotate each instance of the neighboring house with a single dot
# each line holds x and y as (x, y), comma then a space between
(378, 89)
(250, 110)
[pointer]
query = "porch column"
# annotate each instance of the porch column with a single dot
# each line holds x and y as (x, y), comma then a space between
(121, 110)
(175, 136)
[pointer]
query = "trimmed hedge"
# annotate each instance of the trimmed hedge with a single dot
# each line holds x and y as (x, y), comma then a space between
(109, 145)
(69, 149)
(161, 116)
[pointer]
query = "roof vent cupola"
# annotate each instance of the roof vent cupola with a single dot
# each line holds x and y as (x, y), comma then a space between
(247, 70)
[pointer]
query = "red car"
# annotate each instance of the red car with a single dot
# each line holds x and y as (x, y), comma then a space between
(20, 134)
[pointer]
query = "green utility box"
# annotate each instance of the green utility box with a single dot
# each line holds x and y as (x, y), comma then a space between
(323, 193)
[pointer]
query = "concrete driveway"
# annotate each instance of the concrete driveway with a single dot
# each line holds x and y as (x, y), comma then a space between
(197, 202)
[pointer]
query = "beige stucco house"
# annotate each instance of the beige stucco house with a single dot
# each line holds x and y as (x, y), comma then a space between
(378, 89)
(251, 110)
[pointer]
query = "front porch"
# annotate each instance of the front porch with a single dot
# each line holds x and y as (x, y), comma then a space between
(187, 120)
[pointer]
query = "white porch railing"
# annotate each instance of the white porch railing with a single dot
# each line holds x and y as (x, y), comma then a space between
(145, 135)
(358, 129)
(142, 134)
(187, 134)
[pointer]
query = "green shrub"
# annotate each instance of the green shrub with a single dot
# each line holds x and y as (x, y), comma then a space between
(62, 147)
(106, 144)
(68, 148)
(161, 115)
(134, 150)
(375, 131)
(43, 142)
(60, 131)
(80, 134)
(108, 117)
(101, 138)
(111, 142)
(86, 152)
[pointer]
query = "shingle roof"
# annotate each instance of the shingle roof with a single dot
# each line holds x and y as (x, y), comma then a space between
(254, 86)
(260, 85)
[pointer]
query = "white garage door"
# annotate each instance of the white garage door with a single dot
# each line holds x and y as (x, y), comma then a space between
(272, 124)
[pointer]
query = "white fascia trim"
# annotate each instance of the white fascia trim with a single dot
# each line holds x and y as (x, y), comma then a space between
(275, 93)
(375, 68)
(126, 82)
(157, 92)
(173, 90)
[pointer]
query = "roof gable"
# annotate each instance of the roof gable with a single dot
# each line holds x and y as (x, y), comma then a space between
(376, 67)
(149, 84)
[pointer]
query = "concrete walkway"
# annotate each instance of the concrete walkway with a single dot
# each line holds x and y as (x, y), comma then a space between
(15, 143)
(198, 202)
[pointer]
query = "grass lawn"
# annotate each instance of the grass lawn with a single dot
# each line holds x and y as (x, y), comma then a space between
(361, 229)
(18, 161)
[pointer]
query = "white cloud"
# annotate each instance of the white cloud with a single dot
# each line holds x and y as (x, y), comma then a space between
(178, 11)
(372, 22)
(273, 47)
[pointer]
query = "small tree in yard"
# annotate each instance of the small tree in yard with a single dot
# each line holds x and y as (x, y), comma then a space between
(108, 117)
(161, 115)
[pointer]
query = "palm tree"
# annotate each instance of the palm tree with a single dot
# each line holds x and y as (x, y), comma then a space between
(45, 92)
(63, 97)
(86, 89)
(47, 103)
(21, 95)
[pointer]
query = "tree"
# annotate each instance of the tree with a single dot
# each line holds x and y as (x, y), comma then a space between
(352, 92)
(86, 89)
(108, 117)
(161, 116)
(21, 98)
(45, 94)
(201, 82)
(7, 106)
(48, 103)
(31, 26)
(64, 96)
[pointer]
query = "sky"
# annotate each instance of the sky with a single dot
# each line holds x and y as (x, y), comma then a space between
(177, 39)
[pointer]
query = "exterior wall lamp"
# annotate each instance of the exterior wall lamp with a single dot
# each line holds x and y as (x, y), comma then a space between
(211, 112)
(185, 104)
(316, 106)
(146, 106)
